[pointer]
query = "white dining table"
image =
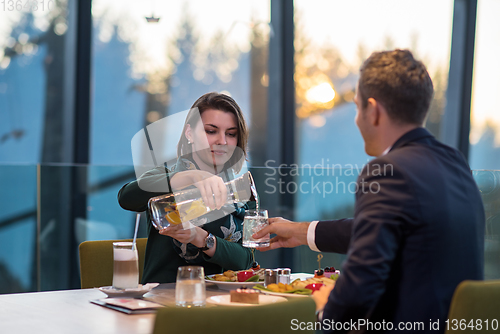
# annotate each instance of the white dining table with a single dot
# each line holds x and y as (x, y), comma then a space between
(71, 312)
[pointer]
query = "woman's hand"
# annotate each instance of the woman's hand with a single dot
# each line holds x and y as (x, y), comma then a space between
(195, 236)
(178, 233)
(212, 188)
(213, 191)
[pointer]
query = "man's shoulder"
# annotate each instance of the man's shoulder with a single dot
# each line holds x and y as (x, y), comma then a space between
(431, 157)
(427, 167)
(417, 154)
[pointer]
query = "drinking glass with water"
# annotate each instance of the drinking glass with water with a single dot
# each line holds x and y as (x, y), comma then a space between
(255, 220)
(190, 286)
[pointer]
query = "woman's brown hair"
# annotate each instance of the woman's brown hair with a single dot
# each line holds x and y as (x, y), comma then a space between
(215, 101)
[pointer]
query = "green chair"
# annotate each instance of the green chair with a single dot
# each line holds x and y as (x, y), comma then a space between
(269, 318)
(96, 261)
(475, 300)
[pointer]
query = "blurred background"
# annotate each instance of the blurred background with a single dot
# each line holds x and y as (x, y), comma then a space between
(78, 79)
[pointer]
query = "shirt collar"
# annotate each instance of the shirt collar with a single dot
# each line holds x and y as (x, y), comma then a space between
(386, 151)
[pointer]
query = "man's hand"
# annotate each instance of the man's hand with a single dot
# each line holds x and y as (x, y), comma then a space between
(288, 234)
(321, 296)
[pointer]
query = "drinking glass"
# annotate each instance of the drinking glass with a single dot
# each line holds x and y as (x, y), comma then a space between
(125, 265)
(190, 286)
(255, 220)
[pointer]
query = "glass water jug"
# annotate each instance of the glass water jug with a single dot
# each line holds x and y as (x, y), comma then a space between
(187, 207)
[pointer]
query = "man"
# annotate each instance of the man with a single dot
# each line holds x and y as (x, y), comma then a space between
(418, 226)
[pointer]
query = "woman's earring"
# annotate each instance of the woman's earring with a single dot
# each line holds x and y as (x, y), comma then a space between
(189, 141)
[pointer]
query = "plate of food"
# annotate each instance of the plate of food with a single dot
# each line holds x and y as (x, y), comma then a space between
(244, 297)
(303, 283)
(232, 280)
(128, 293)
(302, 286)
(283, 290)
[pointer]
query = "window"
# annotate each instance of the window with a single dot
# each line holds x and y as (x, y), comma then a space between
(332, 39)
(485, 118)
(144, 71)
(33, 91)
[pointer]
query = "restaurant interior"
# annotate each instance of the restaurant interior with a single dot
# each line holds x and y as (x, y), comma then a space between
(80, 78)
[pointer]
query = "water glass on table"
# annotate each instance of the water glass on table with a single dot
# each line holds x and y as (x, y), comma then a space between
(190, 286)
(255, 220)
(125, 265)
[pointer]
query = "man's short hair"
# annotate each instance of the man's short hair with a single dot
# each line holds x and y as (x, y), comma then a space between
(399, 82)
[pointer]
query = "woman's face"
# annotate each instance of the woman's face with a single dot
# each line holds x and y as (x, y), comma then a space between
(214, 138)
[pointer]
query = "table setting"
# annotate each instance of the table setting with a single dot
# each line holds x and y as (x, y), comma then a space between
(126, 306)
(252, 286)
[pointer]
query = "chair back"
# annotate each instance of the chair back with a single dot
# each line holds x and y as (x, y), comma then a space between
(275, 318)
(475, 300)
(96, 261)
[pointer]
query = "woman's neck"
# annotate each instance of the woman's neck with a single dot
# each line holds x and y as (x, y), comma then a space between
(205, 167)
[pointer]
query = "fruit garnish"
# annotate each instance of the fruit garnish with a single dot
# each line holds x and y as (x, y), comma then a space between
(318, 273)
(196, 209)
(320, 256)
(173, 218)
(314, 286)
(245, 275)
(255, 265)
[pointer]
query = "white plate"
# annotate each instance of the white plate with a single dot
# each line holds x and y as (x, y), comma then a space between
(231, 285)
(302, 276)
(286, 295)
(226, 300)
(128, 293)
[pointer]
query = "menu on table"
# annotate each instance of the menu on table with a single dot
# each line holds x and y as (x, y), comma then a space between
(128, 305)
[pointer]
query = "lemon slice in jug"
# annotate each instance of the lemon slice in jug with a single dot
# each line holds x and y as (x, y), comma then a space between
(173, 218)
(196, 209)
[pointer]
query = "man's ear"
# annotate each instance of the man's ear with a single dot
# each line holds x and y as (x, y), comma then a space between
(373, 111)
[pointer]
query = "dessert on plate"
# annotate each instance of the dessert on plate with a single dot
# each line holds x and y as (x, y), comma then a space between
(246, 296)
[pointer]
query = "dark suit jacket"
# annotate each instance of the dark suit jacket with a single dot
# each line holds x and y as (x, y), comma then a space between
(418, 230)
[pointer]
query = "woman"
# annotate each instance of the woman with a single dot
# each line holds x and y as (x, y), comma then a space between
(213, 142)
